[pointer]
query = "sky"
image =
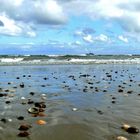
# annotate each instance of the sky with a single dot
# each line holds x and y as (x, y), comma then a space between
(69, 26)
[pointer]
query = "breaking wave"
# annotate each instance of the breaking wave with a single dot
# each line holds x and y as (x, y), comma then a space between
(69, 59)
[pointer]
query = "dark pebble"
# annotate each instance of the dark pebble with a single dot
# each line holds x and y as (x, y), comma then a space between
(20, 118)
(113, 102)
(22, 85)
(100, 112)
(113, 98)
(32, 93)
(90, 83)
(104, 90)
(23, 134)
(109, 75)
(84, 90)
(129, 91)
(7, 102)
(40, 105)
(120, 90)
(96, 90)
(30, 102)
(24, 127)
(133, 130)
(45, 78)
(3, 120)
(1, 95)
(6, 90)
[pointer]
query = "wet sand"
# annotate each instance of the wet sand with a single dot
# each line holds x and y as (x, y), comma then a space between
(83, 102)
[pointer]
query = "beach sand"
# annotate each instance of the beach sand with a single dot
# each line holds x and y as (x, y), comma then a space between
(83, 102)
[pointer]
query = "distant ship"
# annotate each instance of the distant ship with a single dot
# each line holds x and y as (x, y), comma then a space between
(89, 54)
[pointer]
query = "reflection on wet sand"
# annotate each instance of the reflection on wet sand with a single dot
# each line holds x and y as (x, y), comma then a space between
(69, 102)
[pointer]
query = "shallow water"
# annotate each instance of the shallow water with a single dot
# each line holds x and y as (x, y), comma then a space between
(96, 117)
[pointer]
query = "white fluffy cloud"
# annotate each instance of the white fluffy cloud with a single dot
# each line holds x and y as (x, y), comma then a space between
(78, 43)
(88, 38)
(78, 33)
(94, 39)
(122, 38)
(102, 38)
(49, 12)
(11, 28)
(85, 31)
(40, 11)
(17, 15)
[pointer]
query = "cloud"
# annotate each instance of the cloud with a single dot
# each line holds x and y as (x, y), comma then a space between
(88, 30)
(11, 28)
(84, 32)
(78, 33)
(102, 38)
(123, 39)
(31, 33)
(39, 11)
(17, 16)
(77, 43)
(126, 12)
(131, 5)
(49, 12)
(88, 39)
(25, 47)
(96, 39)
(23, 13)
(130, 22)
(1, 23)
(55, 12)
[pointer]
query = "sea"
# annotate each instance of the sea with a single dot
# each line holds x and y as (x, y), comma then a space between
(69, 59)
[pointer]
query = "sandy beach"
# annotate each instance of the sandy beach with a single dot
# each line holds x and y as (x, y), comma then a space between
(82, 102)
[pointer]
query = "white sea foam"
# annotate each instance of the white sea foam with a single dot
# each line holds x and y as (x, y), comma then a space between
(36, 61)
(107, 61)
(10, 60)
(82, 60)
(69, 60)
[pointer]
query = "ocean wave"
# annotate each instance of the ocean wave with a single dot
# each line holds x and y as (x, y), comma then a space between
(106, 61)
(10, 60)
(68, 59)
